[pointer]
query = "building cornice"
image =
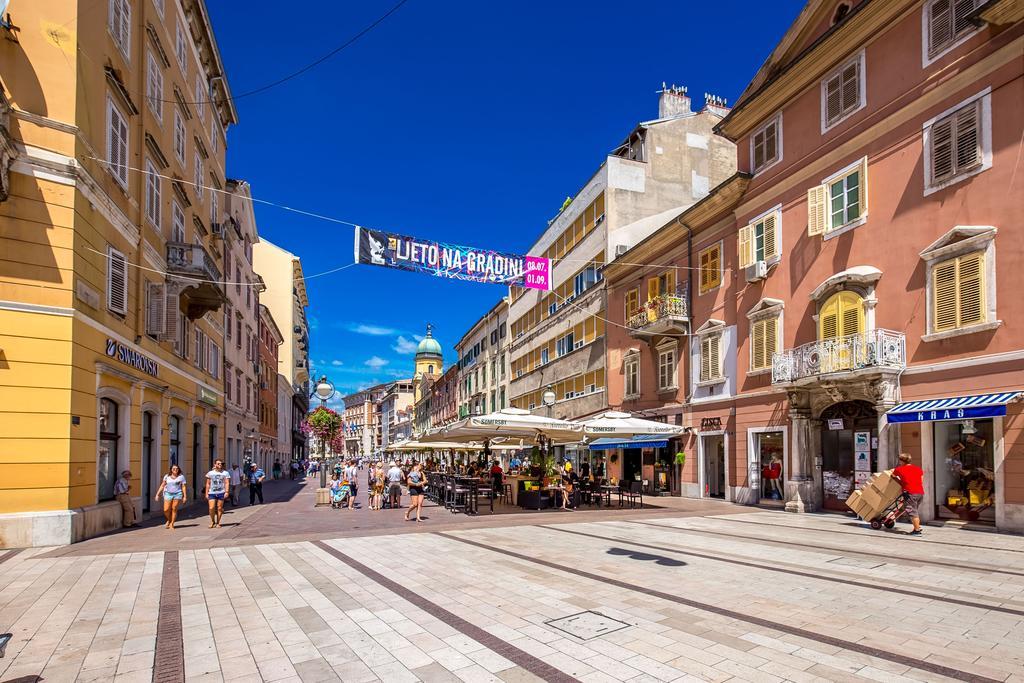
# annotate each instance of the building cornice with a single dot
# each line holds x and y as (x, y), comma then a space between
(871, 20)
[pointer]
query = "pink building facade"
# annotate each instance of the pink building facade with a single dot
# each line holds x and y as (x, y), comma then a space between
(854, 287)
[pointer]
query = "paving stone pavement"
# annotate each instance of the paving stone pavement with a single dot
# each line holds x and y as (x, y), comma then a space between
(730, 594)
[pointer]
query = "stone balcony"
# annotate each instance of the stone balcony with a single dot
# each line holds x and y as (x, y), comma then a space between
(198, 276)
(666, 314)
(875, 351)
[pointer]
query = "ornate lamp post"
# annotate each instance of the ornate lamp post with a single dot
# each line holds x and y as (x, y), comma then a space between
(548, 398)
(324, 391)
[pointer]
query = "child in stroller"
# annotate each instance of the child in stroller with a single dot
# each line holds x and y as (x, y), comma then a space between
(341, 492)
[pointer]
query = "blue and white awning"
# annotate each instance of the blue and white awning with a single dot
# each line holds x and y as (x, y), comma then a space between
(643, 441)
(959, 408)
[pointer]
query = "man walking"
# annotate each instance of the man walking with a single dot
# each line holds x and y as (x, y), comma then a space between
(236, 484)
(256, 478)
(122, 492)
(911, 477)
(218, 484)
(395, 476)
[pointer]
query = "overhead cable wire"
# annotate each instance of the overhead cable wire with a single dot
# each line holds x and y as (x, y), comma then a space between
(295, 74)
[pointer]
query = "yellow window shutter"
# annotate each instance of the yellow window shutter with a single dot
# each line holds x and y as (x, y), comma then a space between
(715, 266)
(944, 289)
(757, 342)
(771, 244)
(828, 320)
(671, 281)
(705, 359)
(745, 248)
(715, 367)
(652, 288)
(770, 339)
(705, 270)
(851, 319)
(817, 210)
(971, 290)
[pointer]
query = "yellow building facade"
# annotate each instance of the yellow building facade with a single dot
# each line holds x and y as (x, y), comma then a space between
(112, 124)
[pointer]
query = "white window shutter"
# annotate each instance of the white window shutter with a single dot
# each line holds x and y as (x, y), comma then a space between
(126, 26)
(172, 314)
(156, 300)
(817, 210)
(117, 281)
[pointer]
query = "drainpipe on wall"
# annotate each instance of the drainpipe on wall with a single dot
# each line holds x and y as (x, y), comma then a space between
(140, 296)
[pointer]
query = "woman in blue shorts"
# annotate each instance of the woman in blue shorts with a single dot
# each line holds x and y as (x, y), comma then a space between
(173, 490)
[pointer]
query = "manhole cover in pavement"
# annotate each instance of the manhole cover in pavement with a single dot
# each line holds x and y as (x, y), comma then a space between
(587, 625)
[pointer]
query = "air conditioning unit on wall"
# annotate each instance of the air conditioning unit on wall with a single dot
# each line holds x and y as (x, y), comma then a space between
(756, 271)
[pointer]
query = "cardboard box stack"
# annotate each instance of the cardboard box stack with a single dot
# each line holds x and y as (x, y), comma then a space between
(876, 495)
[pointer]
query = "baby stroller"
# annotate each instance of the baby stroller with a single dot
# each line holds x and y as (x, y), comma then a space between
(340, 495)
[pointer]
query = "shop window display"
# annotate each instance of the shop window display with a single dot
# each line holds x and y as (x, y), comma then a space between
(769, 448)
(964, 470)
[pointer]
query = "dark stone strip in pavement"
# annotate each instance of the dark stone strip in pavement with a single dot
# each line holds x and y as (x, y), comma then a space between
(878, 534)
(169, 659)
(517, 656)
(796, 572)
(903, 660)
(889, 557)
(10, 554)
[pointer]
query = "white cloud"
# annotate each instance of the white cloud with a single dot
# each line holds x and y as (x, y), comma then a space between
(405, 346)
(373, 330)
(376, 362)
(395, 372)
(336, 363)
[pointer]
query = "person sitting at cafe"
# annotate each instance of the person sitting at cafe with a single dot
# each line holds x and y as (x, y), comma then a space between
(567, 485)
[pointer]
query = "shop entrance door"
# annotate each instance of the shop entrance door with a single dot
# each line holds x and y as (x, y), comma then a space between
(713, 465)
(769, 466)
(631, 464)
(849, 442)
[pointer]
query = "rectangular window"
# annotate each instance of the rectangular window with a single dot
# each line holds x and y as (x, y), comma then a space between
(153, 199)
(119, 22)
(955, 144)
(946, 22)
(213, 207)
(154, 87)
(200, 98)
(214, 138)
(198, 177)
(117, 143)
(667, 369)
(840, 201)
(543, 356)
(958, 292)
(759, 241)
(765, 147)
(564, 345)
(632, 377)
(710, 361)
(179, 137)
(842, 92)
(117, 281)
(763, 342)
(632, 303)
(213, 363)
(710, 268)
(180, 46)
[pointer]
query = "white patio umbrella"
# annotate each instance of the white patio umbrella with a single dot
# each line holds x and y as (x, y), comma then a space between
(510, 422)
(613, 423)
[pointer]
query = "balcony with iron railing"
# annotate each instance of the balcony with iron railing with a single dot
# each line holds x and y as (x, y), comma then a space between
(198, 275)
(862, 353)
(666, 314)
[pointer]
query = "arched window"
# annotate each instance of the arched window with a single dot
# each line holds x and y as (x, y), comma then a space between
(175, 441)
(107, 449)
(841, 315)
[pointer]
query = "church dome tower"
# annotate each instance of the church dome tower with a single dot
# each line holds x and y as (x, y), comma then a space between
(429, 360)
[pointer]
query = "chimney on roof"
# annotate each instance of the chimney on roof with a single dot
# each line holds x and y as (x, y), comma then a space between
(673, 101)
(715, 105)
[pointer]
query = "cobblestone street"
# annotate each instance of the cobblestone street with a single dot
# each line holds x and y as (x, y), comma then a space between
(695, 591)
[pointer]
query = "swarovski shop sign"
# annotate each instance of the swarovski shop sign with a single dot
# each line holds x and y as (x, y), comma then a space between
(131, 357)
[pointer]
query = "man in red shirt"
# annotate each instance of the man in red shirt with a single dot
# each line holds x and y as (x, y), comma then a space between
(911, 477)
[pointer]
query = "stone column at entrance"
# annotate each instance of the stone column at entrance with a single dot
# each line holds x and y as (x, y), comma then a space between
(884, 394)
(800, 483)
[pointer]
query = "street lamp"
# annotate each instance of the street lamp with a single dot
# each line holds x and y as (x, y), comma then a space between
(324, 391)
(548, 399)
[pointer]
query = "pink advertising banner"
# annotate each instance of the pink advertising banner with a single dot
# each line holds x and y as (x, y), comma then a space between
(538, 273)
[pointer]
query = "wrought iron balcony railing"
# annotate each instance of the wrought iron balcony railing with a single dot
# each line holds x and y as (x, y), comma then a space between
(659, 312)
(881, 349)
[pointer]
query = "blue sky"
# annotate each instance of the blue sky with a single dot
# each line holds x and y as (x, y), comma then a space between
(460, 121)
